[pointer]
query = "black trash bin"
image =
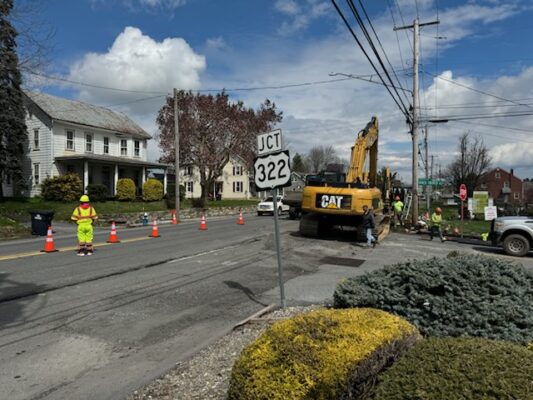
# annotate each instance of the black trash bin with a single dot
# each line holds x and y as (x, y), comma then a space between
(40, 221)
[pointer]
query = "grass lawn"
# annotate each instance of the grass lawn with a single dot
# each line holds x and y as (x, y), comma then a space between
(10, 229)
(450, 218)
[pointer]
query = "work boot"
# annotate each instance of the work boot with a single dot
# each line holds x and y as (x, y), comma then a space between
(81, 252)
(89, 251)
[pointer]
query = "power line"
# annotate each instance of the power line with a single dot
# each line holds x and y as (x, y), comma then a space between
(441, 119)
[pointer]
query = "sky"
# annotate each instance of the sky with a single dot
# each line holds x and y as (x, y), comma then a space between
(478, 61)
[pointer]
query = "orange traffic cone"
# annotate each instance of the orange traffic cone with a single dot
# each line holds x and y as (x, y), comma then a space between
(49, 246)
(174, 220)
(203, 223)
(113, 238)
(240, 220)
(155, 230)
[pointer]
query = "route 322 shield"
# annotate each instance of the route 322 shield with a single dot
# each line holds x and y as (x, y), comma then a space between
(272, 171)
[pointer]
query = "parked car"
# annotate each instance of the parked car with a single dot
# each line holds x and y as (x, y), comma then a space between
(514, 234)
(267, 206)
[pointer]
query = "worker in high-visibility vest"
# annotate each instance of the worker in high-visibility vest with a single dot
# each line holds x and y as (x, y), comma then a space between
(85, 215)
(397, 206)
(436, 222)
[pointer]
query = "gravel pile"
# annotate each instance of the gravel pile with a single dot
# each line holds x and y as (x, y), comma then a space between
(206, 375)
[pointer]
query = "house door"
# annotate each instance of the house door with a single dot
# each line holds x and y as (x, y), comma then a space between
(106, 179)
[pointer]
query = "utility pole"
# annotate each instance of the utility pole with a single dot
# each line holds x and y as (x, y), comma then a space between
(414, 126)
(426, 164)
(177, 155)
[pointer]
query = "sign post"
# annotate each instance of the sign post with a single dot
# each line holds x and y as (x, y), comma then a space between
(272, 171)
(462, 194)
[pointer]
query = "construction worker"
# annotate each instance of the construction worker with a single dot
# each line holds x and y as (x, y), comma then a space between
(369, 223)
(397, 206)
(85, 215)
(436, 222)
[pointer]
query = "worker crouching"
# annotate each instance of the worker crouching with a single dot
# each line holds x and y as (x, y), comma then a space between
(85, 215)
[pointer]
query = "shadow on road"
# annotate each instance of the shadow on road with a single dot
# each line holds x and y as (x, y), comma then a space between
(247, 291)
(15, 298)
(498, 251)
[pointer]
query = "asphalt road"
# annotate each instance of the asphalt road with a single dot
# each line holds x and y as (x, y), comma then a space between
(100, 327)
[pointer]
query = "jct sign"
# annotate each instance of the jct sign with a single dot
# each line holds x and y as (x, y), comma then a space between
(269, 142)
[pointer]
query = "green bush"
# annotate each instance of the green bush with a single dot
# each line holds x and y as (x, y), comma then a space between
(462, 295)
(152, 190)
(97, 192)
(198, 202)
(171, 195)
(320, 355)
(62, 188)
(125, 189)
(459, 368)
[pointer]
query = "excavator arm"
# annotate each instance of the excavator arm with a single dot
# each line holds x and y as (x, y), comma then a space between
(366, 145)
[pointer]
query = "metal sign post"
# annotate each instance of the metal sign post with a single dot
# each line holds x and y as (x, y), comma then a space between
(278, 247)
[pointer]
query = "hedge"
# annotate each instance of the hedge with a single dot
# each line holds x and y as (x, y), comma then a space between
(324, 354)
(459, 368)
(171, 195)
(97, 192)
(152, 190)
(125, 189)
(465, 295)
(62, 188)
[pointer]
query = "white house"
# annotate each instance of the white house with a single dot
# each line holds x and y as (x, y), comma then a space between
(98, 144)
(233, 184)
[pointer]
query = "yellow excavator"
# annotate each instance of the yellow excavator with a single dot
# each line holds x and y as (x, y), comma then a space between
(337, 199)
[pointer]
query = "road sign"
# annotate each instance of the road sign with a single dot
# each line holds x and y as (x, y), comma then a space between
(462, 192)
(430, 182)
(273, 170)
(268, 143)
(491, 213)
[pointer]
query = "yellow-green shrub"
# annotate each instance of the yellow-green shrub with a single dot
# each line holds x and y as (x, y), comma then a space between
(125, 189)
(324, 354)
(152, 190)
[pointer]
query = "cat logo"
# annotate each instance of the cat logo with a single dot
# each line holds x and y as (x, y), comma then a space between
(331, 201)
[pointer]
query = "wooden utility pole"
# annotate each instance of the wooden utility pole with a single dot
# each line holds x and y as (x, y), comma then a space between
(414, 127)
(426, 164)
(177, 151)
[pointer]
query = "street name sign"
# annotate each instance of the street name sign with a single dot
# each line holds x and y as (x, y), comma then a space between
(430, 182)
(268, 143)
(273, 170)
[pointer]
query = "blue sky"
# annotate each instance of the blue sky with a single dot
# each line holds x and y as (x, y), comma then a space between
(150, 46)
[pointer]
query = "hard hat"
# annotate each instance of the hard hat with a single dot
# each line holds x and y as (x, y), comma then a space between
(397, 198)
(84, 199)
(438, 210)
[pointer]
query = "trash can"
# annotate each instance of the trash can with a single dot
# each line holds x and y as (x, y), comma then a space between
(40, 221)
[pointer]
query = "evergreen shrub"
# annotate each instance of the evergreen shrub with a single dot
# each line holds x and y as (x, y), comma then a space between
(324, 354)
(62, 188)
(462, 295)
(125, 189)
(152, 190)
(459, 368)
(97, 192)
(171, 195)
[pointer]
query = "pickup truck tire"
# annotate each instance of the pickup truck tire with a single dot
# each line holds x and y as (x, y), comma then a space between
(516, 245)
(259, 213)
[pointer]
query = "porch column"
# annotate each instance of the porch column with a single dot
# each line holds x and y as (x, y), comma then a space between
(85, 175)
(115, 180)
(164, 181)
(143, 177)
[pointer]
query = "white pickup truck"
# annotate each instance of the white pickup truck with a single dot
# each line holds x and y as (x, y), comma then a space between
(267, 206)
(514, 234)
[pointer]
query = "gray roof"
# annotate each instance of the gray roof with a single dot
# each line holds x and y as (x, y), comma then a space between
(77, 112)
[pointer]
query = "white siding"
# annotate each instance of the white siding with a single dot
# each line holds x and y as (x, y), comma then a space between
(228, 178)
(43, 155)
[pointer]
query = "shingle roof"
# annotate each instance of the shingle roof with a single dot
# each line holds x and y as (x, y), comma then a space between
(86, 114)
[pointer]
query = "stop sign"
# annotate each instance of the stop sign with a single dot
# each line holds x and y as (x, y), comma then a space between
(462, 192)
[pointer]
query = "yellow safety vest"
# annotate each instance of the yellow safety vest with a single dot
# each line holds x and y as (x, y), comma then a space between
(436, 219)
(398, 206)
(84, 215)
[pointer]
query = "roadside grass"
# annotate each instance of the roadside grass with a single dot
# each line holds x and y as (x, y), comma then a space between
(451, 220)
(10, 229)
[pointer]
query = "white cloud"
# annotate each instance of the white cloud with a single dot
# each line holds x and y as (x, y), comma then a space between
(512, 155)
(289, 7)
(301, 14)
(216, 43)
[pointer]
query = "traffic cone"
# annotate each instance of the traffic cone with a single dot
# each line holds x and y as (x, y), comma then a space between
(174, 220)
(203, 223)
(155, 230)
(240, 220)
(49, 246)
(113, 238)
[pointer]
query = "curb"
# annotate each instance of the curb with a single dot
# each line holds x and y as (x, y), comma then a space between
(258, 314)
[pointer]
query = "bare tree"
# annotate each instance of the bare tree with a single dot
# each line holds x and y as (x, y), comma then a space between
(472, 162)
(320, 156)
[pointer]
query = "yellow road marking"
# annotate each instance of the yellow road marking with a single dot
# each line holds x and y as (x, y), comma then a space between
(69, 248)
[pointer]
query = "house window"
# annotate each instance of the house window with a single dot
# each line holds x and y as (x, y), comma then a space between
(189, 186)
(137, 148)
(497, 175)
(8, 179)
(237, 170)
(505, 184)
(483, 186)
(36, 139)
(88, 142)
(516, 195)
(123, 147)
(106, 145)
(237, 187)
(188, 171)
(70, 140)
(36, 174)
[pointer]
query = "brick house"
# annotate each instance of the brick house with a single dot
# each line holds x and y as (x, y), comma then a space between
(504, 187)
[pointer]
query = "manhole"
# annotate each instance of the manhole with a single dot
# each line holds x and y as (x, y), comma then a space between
(346, 262)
